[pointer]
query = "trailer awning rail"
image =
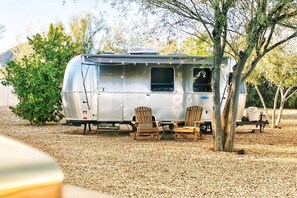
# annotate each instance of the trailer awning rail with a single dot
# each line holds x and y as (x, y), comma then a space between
(146, 59)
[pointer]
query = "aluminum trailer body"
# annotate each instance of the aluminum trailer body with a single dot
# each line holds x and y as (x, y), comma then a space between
(106, 88)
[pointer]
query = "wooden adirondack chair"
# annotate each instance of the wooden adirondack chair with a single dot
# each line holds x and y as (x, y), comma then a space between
(191, 124)
(144, 123)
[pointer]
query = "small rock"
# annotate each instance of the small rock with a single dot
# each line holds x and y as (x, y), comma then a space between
(241, 152)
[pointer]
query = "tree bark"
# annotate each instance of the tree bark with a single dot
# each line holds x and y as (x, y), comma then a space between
(218, 52)
(280, 112)
(230, 123)
(263, 103)
(274, 107)
(217, 125)
(282, 105)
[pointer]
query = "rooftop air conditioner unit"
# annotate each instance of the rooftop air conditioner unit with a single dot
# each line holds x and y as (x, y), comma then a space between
(142, 51)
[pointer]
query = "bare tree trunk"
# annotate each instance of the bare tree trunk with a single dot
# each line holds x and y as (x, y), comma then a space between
(274, 107)
(218, 52)
(263, 103)
(232, 113)
(282, 105)
(280, 112)
(217, 125)
(225, 116)
(230, 110)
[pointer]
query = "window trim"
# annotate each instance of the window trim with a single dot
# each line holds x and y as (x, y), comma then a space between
(209, 84)
(173, 78)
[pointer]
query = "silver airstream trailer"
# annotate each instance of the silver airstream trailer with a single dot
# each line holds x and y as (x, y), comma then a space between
(106, 88)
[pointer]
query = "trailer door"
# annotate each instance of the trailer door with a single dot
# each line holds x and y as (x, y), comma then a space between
(110, 92)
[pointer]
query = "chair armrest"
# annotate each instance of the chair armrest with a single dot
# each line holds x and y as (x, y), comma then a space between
(158, 123)
(136, 123)
(177, 122)
(197, 123)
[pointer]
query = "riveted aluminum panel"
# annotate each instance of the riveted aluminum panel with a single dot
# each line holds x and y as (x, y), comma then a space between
(110, 87)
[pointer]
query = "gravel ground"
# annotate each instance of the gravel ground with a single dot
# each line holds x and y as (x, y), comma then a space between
(115, 164)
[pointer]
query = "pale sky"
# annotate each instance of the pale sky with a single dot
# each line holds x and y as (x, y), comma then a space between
(23, 18)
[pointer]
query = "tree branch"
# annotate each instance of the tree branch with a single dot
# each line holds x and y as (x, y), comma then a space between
(258, 57)
(295, 91)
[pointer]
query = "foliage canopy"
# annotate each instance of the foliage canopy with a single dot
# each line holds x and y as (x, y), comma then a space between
(84, 32)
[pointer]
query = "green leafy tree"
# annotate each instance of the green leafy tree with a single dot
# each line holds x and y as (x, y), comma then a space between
(21, 50)
(266, 88)
(169, 48)
(198, 46)
(195, 46)
(292, 102)
(116, 40)
(84, 31)
(37, 78)
(280, 68)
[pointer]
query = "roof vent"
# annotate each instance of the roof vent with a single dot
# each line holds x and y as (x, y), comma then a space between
(108, 53)
(142, 51)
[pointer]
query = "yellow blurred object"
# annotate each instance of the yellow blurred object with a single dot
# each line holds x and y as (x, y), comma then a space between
(27, 173)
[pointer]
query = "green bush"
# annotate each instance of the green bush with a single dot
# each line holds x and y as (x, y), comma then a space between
(37, 79)
(268, 90)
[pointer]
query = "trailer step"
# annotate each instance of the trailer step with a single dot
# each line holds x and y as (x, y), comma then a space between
(108, 128)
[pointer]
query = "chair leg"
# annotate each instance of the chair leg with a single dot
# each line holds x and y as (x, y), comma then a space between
(136, 135)
(175, 136)
(195, 137)
(201, 136)
(152, 136)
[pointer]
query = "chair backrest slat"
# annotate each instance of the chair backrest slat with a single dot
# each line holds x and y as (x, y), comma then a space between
(143, 115)
(193, 114)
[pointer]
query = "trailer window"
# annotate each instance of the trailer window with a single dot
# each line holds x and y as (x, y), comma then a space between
(162, 79)
(201, 80)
